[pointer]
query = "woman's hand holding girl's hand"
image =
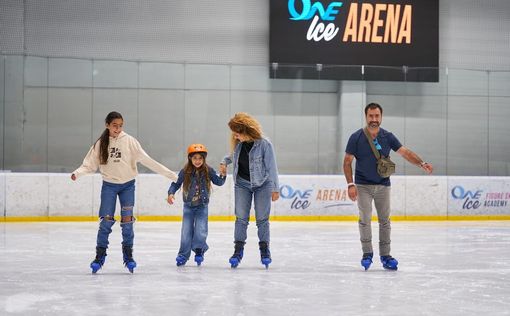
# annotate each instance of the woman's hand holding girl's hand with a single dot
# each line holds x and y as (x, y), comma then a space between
(170, 199)
(223, 170)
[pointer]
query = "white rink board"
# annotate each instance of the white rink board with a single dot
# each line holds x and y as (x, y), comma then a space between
(54, 194)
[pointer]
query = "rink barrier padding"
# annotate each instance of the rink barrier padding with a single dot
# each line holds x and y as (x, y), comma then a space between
(220, 218)
(54, 197)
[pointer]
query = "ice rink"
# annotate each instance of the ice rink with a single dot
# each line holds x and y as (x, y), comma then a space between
(446, 268)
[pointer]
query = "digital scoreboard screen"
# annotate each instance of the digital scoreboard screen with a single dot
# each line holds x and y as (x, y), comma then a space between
(350, 40)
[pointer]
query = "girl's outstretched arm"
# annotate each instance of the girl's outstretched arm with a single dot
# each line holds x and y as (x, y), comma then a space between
(146, 160)
(89, 165)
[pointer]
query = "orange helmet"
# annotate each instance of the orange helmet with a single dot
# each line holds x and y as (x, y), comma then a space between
(197, 149)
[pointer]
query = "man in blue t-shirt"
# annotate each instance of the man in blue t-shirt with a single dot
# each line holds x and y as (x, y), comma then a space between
(370, 186)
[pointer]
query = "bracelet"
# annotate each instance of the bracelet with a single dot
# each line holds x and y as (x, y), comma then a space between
(422, 163)
(350, 184)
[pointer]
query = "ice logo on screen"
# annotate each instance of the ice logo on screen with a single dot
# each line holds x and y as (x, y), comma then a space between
(309, 10)
(317, 30)
(366, 22)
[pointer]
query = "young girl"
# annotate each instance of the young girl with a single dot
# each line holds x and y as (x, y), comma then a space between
(116, 154)
(256, 178)
(195, 178)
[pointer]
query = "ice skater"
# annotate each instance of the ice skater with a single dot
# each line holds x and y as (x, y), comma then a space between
(256, 178)
(195, 179)
(116, 154)
(369, 146)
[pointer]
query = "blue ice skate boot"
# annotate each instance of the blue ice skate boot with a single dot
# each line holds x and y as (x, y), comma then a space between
(366, 260)
(180, 260)
(99, 261)
(238, 254)
(199, 256)
(389, 262)
(265, 254)
(129, 262)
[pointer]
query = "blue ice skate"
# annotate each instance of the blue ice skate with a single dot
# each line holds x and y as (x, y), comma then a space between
(389, 262)
(129, 262)
(366, 260)
(199, 256)
(265, 254)
(100, 259)
(180, 260)
(236, 258)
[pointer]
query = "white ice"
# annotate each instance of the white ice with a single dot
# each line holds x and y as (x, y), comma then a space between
(446, 268)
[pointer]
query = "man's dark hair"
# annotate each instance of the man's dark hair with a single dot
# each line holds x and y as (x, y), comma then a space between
(372, 106)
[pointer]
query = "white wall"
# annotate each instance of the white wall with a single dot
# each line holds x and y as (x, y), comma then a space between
(201, 37)
(472, 34)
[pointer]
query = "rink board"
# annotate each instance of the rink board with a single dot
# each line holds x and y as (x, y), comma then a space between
(53, 196)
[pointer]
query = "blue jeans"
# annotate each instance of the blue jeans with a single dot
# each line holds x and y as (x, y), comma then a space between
(244, 193)
(194, 229)
(109, 193)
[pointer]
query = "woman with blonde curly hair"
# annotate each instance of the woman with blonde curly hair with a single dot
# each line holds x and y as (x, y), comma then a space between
(256, 178)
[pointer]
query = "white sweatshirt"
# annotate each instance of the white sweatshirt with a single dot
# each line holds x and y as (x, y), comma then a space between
(124, 152)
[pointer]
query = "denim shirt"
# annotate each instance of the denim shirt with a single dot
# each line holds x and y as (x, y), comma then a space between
(263, 166)
(204, 193)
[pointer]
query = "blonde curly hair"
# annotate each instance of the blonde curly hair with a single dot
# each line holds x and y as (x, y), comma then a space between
(244, 124)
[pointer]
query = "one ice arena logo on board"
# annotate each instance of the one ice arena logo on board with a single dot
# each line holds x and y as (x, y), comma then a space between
(324, 197)
(473, 199)
(299, 198)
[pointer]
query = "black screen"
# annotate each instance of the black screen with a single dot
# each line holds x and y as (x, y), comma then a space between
(393, 39)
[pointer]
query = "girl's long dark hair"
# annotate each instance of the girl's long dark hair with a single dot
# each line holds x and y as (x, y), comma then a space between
(188, 171)
(104, 139)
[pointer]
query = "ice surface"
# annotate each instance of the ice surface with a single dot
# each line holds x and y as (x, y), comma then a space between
(446, 268)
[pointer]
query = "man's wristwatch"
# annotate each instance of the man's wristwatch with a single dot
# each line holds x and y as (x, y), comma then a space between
(422, 163)
(350, 184)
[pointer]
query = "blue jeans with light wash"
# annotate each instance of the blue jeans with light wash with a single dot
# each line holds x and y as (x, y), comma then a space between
(261, 196)
(194, 229)
(109, 193)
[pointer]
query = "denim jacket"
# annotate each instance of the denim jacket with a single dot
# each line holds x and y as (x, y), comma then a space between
(262, 161)
(204, 193)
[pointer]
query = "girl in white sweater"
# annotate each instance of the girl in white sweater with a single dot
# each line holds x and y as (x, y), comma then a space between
(116, 153)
